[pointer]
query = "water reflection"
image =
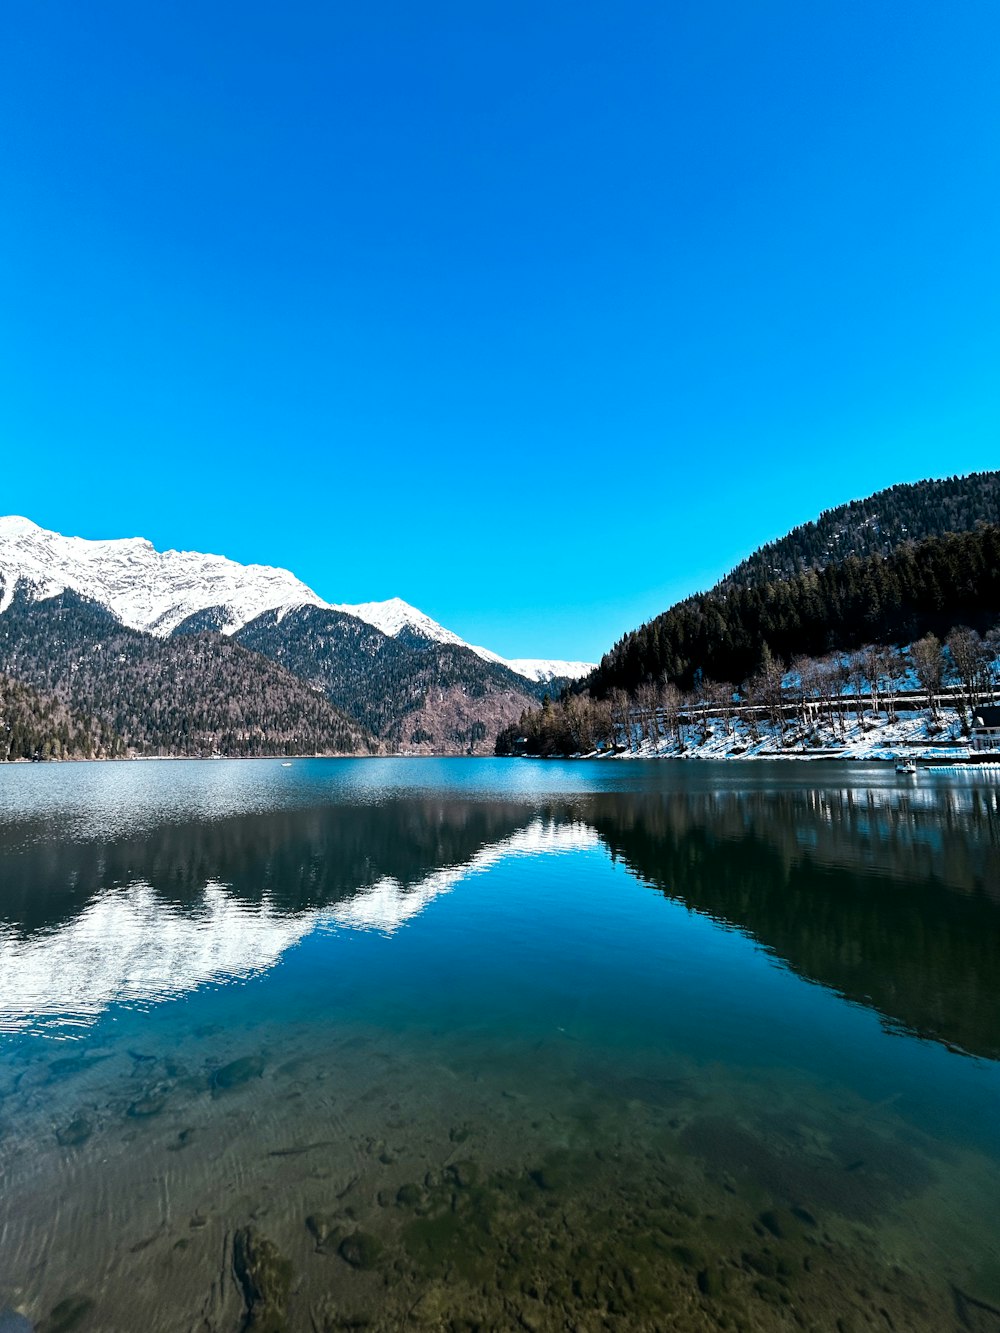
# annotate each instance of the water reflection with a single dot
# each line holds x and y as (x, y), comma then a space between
(510, 1046)
(135, 944)
(892, 901)
(889, 896)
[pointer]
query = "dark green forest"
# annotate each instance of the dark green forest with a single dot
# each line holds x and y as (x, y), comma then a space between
(192, 695)
(746, 635)
(924, 587)
(877, 525)
(38, 726)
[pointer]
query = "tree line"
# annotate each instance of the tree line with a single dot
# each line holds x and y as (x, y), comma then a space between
(38, 726)
(925, 587)
(876, 525)
(198, 694)
(727, 654)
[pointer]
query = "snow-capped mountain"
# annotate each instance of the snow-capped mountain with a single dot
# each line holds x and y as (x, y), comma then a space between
(544, 669)
(398, 619)
(157, 591)
(146, 589)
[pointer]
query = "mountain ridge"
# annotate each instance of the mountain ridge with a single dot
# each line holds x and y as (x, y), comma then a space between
(874, 525)
(185, 653)
(186, 695)
(161, 592)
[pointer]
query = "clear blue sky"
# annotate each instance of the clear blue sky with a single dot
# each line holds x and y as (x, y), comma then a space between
(537, 315)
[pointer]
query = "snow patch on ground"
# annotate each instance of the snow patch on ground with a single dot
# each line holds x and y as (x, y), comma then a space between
(874, 736)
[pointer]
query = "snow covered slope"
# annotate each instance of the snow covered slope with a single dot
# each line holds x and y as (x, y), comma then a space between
(544, 669)
(397, 618)
(157, 591)
(146, 589)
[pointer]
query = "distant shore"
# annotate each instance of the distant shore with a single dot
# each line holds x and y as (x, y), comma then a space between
(917, 736)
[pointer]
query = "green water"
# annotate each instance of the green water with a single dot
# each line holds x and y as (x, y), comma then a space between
(498, 1044)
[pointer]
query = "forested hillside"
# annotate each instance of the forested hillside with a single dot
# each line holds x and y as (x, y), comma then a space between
(926, 587)
(190, 695)
(415, 695)
(838, 629)
(877, 525)
(38, 726)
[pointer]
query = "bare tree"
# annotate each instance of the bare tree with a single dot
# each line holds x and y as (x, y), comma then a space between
(857, 678)
(872, 659)
(621, 713)
(831, 675)
(891, 668)
(972, 661)
(602, 723)
(579, 723)
(670, 706)
(686, 716)
(719, 698)
(928, 662)
(647, 699)
(767, 687)
(748, 707)
(810, 688)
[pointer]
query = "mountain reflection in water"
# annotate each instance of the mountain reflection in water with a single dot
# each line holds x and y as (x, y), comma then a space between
(889, 897)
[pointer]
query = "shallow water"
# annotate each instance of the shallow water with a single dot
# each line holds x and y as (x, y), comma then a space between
(499, 1044)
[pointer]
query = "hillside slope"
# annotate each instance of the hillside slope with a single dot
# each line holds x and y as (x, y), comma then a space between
(420, 697)
(931, 586)
(877, 525)
(187, 695)
(39, 726)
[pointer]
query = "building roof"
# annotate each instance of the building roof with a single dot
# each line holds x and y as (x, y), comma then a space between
(987, 715)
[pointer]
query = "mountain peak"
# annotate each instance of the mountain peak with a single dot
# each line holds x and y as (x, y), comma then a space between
(146, 589)
(157, 591)
(15, 525)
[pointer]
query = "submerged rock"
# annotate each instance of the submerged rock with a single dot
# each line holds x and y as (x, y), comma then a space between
(69, 1314)
(149, 1104)
(322, 1227)
(68, 1065)
(78, 1131)
(265, 1277)
(236, 1073)
(712, 1281)
(464, 1174)
(360, 1250)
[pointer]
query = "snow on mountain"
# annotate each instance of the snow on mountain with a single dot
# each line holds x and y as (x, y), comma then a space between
(146, 589)
(156, 591)
(396, 617)
(544, 669)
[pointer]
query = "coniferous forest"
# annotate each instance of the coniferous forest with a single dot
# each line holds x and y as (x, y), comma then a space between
(876, 525)
(39, 726)
(924, 587)
(744, 634)
(196, 694)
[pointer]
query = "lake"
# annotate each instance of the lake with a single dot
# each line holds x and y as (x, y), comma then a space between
(476, 1044)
